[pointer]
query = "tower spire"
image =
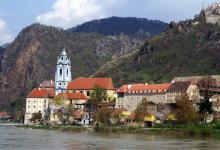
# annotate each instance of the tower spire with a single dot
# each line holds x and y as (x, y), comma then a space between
(63, 72)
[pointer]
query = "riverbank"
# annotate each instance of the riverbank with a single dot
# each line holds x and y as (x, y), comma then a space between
(202, 130)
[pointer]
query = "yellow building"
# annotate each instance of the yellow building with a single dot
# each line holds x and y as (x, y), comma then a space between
(87, 85)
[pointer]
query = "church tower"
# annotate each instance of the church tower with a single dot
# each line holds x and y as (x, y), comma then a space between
(63, 73)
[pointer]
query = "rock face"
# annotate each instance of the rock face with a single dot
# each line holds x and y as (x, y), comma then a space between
(32, 57)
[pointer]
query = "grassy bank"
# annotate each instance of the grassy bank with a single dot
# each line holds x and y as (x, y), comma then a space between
(201, 130)
(57, 127)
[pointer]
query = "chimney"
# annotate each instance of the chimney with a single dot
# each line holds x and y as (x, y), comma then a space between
(129, 86)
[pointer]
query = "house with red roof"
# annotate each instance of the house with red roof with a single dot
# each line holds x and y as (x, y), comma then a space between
(75, 99)
(37, 101)
(129, 96)
(87, 85)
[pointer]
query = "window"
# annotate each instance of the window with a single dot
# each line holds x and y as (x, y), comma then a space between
(88, 93)
(60, 83)
(67, 71)
(45, 101)
(60, 71)
(61, 58)
(81, 91)
(28, 106)
(34, 106)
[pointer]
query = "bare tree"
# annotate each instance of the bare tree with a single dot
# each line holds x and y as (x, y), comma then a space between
(206, 84)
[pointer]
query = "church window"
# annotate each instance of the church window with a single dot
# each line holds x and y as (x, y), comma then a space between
(60, 71)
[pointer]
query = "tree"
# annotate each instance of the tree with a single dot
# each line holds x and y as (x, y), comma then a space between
(103, 116)
(185, 112)
(58, 100)
(141, 111)
(116, 115)
(205, 84)
(98, 95)
(36, 116)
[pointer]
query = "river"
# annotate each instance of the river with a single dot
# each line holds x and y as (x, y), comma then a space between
(12, 138)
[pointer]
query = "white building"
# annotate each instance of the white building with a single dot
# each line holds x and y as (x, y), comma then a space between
(38, 101)
(63, 73)
(129, 96)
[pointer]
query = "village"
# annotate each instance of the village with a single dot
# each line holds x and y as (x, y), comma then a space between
(96, 101)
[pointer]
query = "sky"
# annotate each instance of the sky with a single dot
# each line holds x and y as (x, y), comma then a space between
(17, 14)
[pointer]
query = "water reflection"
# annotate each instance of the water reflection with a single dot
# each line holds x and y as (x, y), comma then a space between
(25, 139)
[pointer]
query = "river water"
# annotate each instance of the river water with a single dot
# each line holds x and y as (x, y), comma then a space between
(12, 138)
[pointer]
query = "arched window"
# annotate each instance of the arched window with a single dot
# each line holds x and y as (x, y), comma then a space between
(60, 71)
(67, 71)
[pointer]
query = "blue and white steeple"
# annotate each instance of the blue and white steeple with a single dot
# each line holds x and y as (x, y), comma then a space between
(63, 73)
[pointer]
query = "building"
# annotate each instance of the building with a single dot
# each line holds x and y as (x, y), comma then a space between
(213, 87)
(215, 99)
(212, 13)
(63, 73)
(37, 101)
(183, 87)
(48, 85)
(76, 99)
(129, 96)
(87, 85)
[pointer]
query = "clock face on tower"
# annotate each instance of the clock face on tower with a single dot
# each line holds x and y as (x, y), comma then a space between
(63, 73)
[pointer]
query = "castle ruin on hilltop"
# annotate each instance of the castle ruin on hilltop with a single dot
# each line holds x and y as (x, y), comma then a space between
(212, 13)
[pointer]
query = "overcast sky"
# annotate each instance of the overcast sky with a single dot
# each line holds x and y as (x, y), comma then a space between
(17, 14)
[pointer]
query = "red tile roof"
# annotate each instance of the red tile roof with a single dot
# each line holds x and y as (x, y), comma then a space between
(73, 96)
(41, 93)
(143, 88)
(2, 114)
(89, 83)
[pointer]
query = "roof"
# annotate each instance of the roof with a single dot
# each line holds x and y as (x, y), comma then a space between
(3, 114)
(47, 84)
(180, 86)
(89, 83)
(78, 114)
(73, 96)
(194, 78)
(143, 88)
(41, 93)
(214, 98)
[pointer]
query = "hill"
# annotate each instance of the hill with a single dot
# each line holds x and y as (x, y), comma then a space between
(189, 47)
(140, 28)
(31, 58)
